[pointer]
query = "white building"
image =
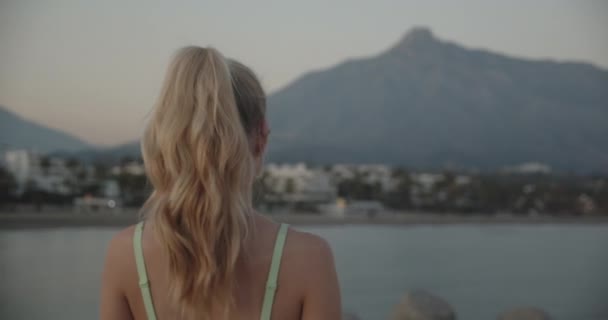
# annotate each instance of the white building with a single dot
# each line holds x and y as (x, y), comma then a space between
(133, 168)
(421, 192)
(24, 165)
(462, 180)
(343, 171)
(57, 167)
(425, 181)
(110, 189)
(379, 174)
(369, 173)
(27, 169)
(529, 168)
(298, 183)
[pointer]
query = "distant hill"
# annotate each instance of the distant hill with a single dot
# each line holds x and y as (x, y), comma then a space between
(19, 133)
(432, 103)
(107, 155)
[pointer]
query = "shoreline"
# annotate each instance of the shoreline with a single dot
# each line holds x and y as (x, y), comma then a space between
(59, 219)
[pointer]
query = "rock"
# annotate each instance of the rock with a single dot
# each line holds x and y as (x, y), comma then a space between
(350, 316)
(421, 305)
(525, 313)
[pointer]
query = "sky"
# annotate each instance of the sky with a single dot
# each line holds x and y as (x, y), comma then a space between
(94, 68)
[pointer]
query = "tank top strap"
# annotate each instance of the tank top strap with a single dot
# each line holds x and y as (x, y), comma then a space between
(144, 283)
(273, 273)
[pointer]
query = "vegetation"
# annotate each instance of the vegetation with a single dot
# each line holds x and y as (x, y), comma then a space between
(488, 193)
(357, 188)
(135, 188)
(7, 186)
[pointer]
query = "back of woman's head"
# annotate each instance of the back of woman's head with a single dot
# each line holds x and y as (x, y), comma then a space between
(199, 154)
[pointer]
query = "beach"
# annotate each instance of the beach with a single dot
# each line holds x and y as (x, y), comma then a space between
(56, 217)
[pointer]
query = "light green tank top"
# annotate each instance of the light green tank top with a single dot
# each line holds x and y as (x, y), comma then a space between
(271, 282)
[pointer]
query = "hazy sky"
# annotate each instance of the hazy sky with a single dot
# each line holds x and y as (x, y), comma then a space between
(93, 68)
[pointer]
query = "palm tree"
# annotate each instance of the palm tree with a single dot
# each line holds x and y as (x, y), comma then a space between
(8, 186)
(72, 163)
(45, 164)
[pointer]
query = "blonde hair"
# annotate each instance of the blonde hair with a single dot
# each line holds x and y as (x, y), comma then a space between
(197, 151)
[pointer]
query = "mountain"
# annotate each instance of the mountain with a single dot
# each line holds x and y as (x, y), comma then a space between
(19, 133)
(427, 103)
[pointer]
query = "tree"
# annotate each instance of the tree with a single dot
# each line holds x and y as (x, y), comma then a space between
(72, 163)
(135, 188)
(101, 171)
(290, 186)
(126, 160)
(45, 164)
(400, 173)
(81, 175)
(399, 197)
(357, 188)
(8, 186)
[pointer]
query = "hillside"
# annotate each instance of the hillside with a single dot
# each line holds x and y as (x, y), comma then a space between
(19, 133)
(426, 102)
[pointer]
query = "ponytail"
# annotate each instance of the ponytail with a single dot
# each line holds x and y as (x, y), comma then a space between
(198, 158)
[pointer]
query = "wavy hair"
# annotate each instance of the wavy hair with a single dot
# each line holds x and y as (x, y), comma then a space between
(197, 150)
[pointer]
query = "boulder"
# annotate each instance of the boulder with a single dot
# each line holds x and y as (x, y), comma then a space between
(350, 316)
(524, 313)
(422, 305)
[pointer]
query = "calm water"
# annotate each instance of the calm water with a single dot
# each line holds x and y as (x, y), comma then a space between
(480, 270)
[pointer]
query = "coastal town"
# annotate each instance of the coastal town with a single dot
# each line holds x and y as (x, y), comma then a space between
(38, 181)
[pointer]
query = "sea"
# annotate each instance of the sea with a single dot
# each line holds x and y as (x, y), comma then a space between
(480, 270)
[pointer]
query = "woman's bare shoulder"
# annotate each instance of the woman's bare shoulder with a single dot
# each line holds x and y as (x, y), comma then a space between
(309, 257)
(305, 245)
(119, 260)
(118, 276)
(121, 241)
(311, 265)
(299, 245)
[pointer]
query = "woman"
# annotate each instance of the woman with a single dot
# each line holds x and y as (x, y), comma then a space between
(202, 252)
